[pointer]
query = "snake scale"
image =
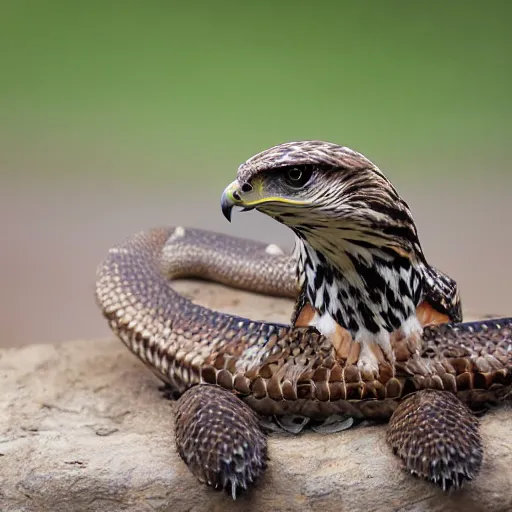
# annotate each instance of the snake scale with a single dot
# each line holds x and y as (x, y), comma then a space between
(231, 371)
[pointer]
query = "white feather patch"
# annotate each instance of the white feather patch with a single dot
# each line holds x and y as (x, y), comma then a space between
(325, 324)
(411, 326)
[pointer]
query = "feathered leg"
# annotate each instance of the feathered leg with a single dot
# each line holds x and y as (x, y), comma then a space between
(219, 438)
(437, 437)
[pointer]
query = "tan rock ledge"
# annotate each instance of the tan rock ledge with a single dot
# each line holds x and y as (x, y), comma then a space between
(83, 427)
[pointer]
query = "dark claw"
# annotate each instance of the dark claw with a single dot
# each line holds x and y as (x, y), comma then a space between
(219, 438)
(437, 436)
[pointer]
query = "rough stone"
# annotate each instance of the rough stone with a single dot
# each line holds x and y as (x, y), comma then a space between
(84, 427)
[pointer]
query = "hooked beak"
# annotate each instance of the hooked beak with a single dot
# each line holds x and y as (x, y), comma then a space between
(256, 197)
(230, 197)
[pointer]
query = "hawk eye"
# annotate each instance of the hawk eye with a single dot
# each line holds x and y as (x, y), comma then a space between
(297, 177)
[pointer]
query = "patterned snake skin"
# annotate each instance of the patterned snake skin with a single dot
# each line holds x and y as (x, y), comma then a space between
(276, 369)
(359, 265)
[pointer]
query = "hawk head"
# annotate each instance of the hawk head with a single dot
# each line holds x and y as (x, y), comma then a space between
(353, 229)
(329, 195)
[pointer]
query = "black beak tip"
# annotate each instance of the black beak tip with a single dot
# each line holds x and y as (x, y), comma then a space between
(227, 209)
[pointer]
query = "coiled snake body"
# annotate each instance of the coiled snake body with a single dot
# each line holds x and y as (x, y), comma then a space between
(228, 368)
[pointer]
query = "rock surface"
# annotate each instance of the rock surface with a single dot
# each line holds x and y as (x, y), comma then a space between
(84, 427)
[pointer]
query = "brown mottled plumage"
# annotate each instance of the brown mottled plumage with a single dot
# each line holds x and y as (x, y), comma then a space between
(306, 152)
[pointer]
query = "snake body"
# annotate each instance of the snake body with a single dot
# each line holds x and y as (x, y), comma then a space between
(275, 368)
(368, 337)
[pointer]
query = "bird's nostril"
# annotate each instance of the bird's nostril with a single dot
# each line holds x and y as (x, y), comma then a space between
(236, 196)
(246, 188)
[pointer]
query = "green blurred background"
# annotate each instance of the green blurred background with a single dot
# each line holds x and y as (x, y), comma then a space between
(118, 116)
